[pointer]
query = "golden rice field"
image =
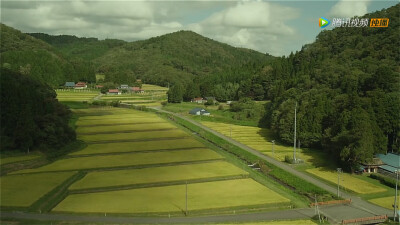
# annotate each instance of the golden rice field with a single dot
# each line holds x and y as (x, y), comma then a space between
(142, 135)
(201, 196)
(347, 181)
(151, 87)
(23, 190)
(256, 138)
(278, 222)
(76, 95)
(113, 121)
(121, 160)
(386, 202)
(127, 127)
(158, 174)
(154, 145)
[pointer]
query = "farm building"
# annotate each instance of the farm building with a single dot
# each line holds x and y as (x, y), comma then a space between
(99, 86)
(198, 100)
(199, 111)
(69, 84)
(371, 166)
(124, 86)
(137, 90)
(114, 92)
(391, 162)
(80, 85)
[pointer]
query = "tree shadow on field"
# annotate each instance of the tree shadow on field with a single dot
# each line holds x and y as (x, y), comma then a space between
(318, 158)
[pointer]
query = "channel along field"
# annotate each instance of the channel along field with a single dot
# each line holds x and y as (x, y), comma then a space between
(139, 163)
(261, 139)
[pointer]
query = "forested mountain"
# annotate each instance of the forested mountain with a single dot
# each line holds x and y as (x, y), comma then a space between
(30, 56)
(31, 116)
(346, 85)
(175, 57)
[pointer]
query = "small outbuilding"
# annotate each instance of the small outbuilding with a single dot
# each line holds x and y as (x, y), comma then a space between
(69, 84)
(199, 111)
(124, 86)
(137, 90)
(114, 92)
(198, 100)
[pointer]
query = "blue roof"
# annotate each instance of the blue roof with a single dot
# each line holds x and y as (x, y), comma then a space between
(388, 168)
(70, 84)
(390, 159)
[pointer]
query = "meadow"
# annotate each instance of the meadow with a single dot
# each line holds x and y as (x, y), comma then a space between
(23, 190)
(154, 145)
(201, 196)
(14, 159)
(132, 159)
(158, 174)
(347, 181)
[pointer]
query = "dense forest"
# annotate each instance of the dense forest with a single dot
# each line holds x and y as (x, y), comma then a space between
(31, 116)
(347, 88)
(30, 56)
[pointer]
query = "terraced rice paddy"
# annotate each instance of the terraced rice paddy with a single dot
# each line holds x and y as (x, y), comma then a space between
(151, 87)
(256, 138)
(128, 127)
(76, 95)
(18, 159)
(347, 181)
(24, 190)
(121, 160)
(201, 196)
(386, 202)
(169, 173)
(140, 146)
(279, 222)
(142, 135)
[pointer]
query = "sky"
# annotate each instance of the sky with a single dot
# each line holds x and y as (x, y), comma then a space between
(273, 27)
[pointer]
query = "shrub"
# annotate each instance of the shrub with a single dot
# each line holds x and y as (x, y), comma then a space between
(220, 107)
(388, 181)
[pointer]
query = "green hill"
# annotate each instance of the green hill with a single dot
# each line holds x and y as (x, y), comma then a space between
(30, 56)
(347, 88)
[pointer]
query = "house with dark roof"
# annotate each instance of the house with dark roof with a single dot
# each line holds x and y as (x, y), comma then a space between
(69, 84)
(199, 111)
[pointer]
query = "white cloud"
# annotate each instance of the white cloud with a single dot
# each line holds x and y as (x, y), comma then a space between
(349, 8)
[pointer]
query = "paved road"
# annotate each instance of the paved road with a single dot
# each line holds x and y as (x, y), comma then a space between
(357, 203)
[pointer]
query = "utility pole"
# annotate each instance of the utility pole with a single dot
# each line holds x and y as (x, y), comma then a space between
(273, 143)
(186, 211)
(294, 141)
(395, 197)
(339, 170)
(230, 130)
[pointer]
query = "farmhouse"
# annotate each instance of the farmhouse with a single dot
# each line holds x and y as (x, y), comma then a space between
(391, 163)
(199, 111)
(114, 92)
(371, 166)
(69, 84)
(137, 90)
(198, 100)
(80, 85)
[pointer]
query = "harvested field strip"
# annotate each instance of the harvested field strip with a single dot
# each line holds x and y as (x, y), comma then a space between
(278, 222)
(136, 140)
(347, 181)
(118, 124)
(14, 159)
(134, 136)
(120, 116)
(24, 190)
(115, 128)
(120, 121)
(140, 146)
(201, 196)
(121, 160)
(157, 175)
(128, 131)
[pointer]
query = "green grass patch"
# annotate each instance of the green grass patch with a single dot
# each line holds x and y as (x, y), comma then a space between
(14, 159)
(75, 104)
(157, 175)
(23, 190)
(122, 160)
(139, 146)
(175, 133)
(201, 196)
(386, 202)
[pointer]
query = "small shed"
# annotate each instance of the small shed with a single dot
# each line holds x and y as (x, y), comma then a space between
(198, 100)
(114, 92)
(124, 86)
(199, 111)
(69, 84)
